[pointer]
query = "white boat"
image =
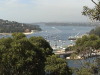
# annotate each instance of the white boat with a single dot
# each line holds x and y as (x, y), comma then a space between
(32, 31)
(72, 38)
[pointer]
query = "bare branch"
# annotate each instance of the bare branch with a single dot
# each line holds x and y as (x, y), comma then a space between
(94, 2)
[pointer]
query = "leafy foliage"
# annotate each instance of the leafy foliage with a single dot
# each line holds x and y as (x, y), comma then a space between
(87, 45)
(84, 71)
(57, 66)
(88, 69)
(42, 44)
(12, 26)
(94, 13)
(19, 56)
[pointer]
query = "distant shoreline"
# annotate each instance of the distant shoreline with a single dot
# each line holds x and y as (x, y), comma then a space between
(5, 33)
(71, 24)
(12, 33)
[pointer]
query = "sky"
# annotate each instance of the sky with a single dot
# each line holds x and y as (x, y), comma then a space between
(30, 11)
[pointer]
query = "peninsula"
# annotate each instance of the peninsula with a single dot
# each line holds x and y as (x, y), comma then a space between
(13, 26)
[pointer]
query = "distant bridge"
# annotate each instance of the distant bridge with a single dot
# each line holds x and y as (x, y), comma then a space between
(63, 53)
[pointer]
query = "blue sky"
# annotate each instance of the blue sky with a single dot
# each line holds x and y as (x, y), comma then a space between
(30, 11)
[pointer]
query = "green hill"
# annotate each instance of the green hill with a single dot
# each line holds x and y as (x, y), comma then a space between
(13, 26)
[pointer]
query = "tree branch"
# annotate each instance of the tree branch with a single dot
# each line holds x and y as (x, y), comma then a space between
(94, 2)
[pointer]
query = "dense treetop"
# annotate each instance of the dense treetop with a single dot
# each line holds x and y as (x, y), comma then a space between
(22, 56)
(57, 66)
(87, 44)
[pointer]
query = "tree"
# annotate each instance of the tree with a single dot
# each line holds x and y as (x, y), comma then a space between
(94, 13)
(19, 56)
(85, 71)
(18, 36)
(87, 44)
(57, 66)
(42, 44)
(87, 68)
(11, 27)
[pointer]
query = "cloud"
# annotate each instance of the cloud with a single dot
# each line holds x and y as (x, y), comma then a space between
(42, 10)
(10, 1)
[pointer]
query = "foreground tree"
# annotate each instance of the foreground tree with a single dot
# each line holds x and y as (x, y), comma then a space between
(57, 66)
(42, 44)
(19, 56)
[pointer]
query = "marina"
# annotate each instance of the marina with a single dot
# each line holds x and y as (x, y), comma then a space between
(59, 37)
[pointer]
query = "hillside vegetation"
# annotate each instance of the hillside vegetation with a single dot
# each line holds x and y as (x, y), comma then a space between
(12, 26)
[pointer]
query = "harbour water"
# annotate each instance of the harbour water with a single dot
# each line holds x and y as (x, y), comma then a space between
(58, 35)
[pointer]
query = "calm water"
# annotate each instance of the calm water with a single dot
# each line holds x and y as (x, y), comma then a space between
(58, 35)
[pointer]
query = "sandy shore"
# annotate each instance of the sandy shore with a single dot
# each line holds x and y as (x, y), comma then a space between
(11, 33)
(5, 33)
